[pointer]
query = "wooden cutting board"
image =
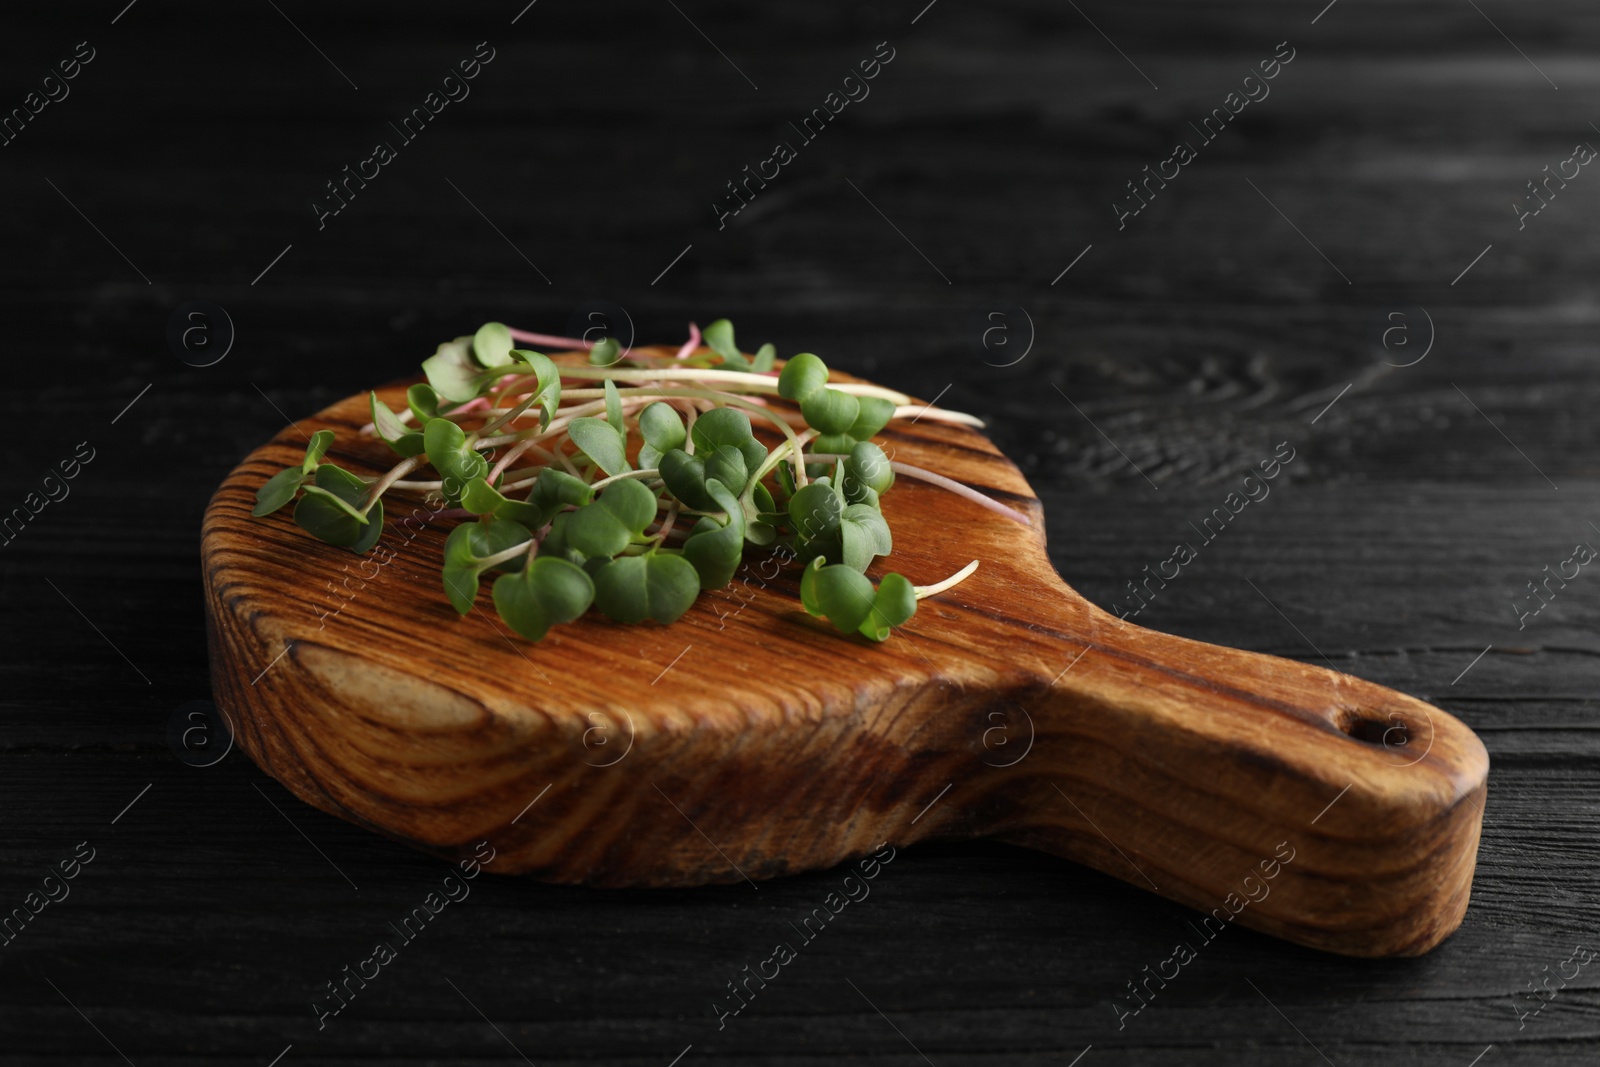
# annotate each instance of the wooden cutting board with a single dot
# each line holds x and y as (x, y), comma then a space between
(749, 740)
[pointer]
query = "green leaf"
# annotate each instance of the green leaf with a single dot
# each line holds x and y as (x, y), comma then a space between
(492, 345)
(729, 504)
(316, 448)
(726, 465)
(555, 489)
(614, 409)
(894, 603)
(448, 451)
(863, 536)
(548, 376)
(720, 426)
(423, 401)
(830, 411)
(545, 593)
(719, 338)
(869, 466)
(803, 375)
(601, 442)
(763, 498)
(605, 352)
(765, 356)
(649, 458)
(659, 586)
(277, 491)
(727, 426)
(452, 371)
(661, 426)
(685, 478)
(842, 595)
(832, 444)
(555, 541)
(394, 433)
(330, 509)
(618, 515)
(372, 531)
(485, 499)
(874, 415)
(715, 552)
(466, 548)
(815, 511)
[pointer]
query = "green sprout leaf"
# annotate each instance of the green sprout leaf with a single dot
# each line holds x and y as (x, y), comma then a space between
(840, 594)
(685, 478)
(452, 371)
(457, 462)
(863, 536)
(492, 345)
(875, 413)
(893, 605)
(660, 586)
(714, 551)
(868, 466)
(423, 401)
(547, 592)
(614, 409)
(601, 442)
(316, 449)
(394, 433)
(605, 352)
(815, 512)
(719, 338)
(803, 375)
(468, 546)
(609, 524)
(485, 499)
(727, 426)
(548, 376)
(830, 411)
(557, 489)
(846, 599)
(330, 509)
(662, 427)
(765, 357)
(277, 491)
(726, 464)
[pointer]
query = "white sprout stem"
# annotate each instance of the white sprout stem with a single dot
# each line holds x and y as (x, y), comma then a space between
(960, 490)
(752, 382)
(511, 553)
(648, 472)
(925, 591)
(933, 414)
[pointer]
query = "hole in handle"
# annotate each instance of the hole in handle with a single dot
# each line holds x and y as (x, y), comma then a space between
(1403, 739)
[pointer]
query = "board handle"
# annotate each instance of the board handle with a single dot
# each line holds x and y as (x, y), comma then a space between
(1278, 795)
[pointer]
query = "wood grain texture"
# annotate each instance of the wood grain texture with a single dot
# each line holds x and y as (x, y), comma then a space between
(774, 746)
(1396, 142)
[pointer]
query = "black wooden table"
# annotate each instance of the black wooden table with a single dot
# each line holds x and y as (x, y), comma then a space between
(1342, 265)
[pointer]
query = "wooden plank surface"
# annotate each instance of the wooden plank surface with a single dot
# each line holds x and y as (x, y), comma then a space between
(996, 141)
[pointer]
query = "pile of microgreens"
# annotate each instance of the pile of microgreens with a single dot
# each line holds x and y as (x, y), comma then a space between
(581, 524)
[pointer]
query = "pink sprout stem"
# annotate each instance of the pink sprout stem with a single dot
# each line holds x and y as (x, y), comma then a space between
(691, 344)
(549, 340)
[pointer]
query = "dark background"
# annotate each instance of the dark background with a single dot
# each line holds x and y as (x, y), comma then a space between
(1420, 503)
